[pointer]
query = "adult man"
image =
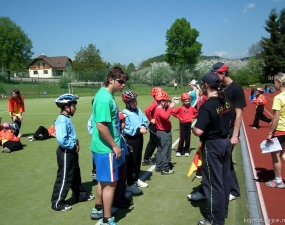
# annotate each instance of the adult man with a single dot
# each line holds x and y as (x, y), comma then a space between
(105, 142)
(234, 93)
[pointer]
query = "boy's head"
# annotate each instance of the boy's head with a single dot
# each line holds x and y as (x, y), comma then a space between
(116, 75)
(162, 99)
(67, 103)
(130, 99)
(185, 98)
(5, 126)
(14, 127)
(258, 91)
(155, 90)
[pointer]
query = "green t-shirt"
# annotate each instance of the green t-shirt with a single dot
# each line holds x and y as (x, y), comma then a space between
(105, 110)
(279, 104)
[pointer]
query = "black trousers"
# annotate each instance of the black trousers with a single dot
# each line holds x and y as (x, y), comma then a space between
(13, 145)
(135, 157)
(152, 143)
(184, 137)
(68, 176)
(41, 134)
(216, 156)
(120, 192)
(260, 116)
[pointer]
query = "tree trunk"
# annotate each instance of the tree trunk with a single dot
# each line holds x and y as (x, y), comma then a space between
(9, 74)
(181, 79)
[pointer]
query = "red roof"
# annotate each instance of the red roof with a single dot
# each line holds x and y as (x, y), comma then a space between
(56, 62)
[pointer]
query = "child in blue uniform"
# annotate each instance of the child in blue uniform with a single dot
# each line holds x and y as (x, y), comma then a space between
(68, 173)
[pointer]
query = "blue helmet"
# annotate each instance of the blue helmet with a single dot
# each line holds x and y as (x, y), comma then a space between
(66, 99)
(14, 126)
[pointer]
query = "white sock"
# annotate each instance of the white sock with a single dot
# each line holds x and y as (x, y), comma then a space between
(278, 180)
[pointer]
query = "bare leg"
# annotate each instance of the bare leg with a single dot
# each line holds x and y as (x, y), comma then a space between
(107, 194)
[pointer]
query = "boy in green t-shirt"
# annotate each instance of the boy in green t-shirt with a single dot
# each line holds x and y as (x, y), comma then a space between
(105, 142)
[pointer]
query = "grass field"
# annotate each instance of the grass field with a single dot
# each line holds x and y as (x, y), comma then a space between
(27, 177)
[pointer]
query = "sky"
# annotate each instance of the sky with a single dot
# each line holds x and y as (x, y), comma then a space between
(131, 31)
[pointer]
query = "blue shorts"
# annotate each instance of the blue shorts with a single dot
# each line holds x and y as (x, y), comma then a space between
(105, 171)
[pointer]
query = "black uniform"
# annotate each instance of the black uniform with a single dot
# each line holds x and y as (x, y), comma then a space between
(214, 119)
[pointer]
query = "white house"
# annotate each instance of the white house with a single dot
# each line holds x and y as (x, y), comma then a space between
(49, 67)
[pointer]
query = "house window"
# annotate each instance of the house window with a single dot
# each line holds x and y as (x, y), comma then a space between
(45, 71)
(39, 64)
(44, 64)
(58, 72)
(35, 72)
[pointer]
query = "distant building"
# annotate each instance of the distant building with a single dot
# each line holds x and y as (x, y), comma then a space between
(49, 67)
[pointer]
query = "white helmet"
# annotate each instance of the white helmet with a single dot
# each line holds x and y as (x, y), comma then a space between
(66, 99)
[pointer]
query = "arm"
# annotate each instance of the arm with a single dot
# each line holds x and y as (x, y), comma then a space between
(274, 122)
(197, 97)
(197, 132)
(105, 134)
(238, 119)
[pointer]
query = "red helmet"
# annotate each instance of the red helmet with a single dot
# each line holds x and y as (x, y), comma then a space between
(185, 96)
(5, 125)
(128, 96)
(161, 96)
(260, 89)
(122, 115)
(155, 90)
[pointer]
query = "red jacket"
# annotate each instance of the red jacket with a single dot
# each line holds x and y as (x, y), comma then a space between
(161, 117)
(14, 107)
(260, 100)
(184, 114)
(149, 111)
(7, 135)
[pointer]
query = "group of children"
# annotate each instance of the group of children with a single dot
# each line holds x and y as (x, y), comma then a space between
(10, 137)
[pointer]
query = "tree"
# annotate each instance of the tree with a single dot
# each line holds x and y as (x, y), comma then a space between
(183, 51)
(256, 50)
(89, 65)
(273, 47)
(15, 46)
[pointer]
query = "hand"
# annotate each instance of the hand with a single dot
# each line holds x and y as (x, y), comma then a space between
(118, 151)
(269, 138)
(77, 147)
(152, 121)
(143, 130)
(234, 140)
(172, 104)
(19, 135)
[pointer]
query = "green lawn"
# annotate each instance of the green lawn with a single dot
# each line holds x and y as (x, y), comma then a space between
(27, 177)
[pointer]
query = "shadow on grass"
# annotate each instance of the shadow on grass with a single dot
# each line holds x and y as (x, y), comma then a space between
(88, 187)
(264, 175)
(199, 204)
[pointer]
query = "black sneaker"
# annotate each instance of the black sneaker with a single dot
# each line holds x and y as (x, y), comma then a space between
(167, 172)
(146, 162)
(63, 207)
(157, 169)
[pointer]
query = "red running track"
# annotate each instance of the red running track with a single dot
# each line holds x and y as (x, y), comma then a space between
(271, 199)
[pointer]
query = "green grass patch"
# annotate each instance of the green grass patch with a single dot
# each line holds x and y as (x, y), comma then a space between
(27, 177)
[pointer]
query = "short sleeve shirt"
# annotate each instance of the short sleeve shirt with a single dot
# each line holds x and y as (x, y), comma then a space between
(279, 104)
(235, 94)
(105, 110)
(214, 119)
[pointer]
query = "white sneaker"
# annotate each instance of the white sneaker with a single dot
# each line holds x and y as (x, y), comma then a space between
(31, 138)
(187, 154)
(178, 154)
(232, 197)
(142, 184)
(134, 189)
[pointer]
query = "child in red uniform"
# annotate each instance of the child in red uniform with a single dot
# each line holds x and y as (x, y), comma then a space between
(9, 141)
(43, 133)
(260, 102)
(185, 114)
(152, 143)
(164, 137)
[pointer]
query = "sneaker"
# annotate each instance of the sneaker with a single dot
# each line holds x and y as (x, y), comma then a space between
(142, 184)
(199, 174)
(196, 196)
(63, 207)
(93, 177)
(187, 154)
(146, 162)
(91, 197)
(96, 214)
(6, 150)
(274, 184)
(204, 222)
(31, 138)
(178, 154)
(232, 197)
(134, 189)
(167, 172)
(111, 221)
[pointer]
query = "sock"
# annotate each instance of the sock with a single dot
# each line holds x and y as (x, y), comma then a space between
(98, 207)
(105, 220)
(278, 180)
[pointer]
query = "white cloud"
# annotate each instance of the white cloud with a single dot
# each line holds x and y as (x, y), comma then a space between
(135, 60)
(247, 7)
(276, 0)
(228, 55)
(222, 54)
